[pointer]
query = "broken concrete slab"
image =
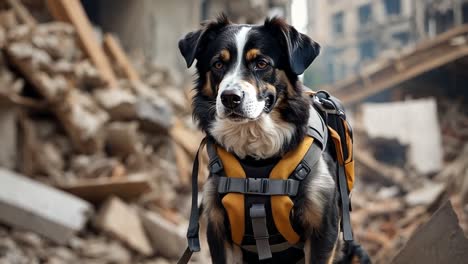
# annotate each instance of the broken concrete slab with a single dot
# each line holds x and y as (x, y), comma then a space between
(441, 240)
(37, 207)
(122, 221)
(412, 122)
(167, 238)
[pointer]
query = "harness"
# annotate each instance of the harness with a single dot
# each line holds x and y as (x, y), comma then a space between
(259, 203)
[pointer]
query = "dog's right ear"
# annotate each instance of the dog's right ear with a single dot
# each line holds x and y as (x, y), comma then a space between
(189, 45)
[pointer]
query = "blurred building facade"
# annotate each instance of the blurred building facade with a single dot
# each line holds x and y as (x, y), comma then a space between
(153, 27)
(356, 32)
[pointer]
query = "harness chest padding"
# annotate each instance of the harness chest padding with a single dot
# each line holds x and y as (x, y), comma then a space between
(233, 202)
(281, 205)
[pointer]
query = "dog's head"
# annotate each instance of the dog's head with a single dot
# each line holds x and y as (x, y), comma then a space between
(247, 81)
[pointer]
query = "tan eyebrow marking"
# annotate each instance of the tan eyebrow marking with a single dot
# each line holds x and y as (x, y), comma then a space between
(225, 55)
(252, 54)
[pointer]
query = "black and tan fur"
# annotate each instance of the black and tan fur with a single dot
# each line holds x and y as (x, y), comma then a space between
(263, 61)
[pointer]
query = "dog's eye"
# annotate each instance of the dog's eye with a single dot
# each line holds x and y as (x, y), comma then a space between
(218, 65)
(261, 64)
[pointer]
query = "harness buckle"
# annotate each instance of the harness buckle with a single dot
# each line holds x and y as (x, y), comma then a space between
(256, 185)
(327, 106)
(216, 166)
(301, 171)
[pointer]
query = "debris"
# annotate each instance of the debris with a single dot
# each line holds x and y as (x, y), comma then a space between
(167, 238)
(154, 117)
(8, 135)
(8, 19)
(186, 138)
(63, 127)
(83, 120)
(122, 221)
(119, 103)
(413, 123)
(31, 205)
(106, 251)
(184, 165)
(22, 13)
(426, 195)
(97, 191)
(118, 56)
(72, 11)
(378, 171)
(441, 240)
(122, 139)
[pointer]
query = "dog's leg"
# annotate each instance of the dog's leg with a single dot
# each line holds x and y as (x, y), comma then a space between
(221, 251)
(233, 254)
(322, 244)
(216, 244)
(354, 254)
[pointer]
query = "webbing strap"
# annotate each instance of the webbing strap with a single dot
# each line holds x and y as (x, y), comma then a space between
(258, 186)
(275, 248)
(185, 258)
(193, 229)
(215, 166)
(346, 219)
(258, 216)
(334, 121)
(311, 157)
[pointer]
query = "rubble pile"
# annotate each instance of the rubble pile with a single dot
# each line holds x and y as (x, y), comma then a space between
(102, 165)
(393, 197)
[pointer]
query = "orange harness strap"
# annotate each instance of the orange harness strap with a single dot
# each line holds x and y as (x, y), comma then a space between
(349, 163)
(233, 202)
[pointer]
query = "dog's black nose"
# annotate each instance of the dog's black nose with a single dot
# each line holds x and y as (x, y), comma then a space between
(232, 98)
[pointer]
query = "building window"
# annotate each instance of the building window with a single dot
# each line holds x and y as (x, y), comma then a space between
(365, 14)
(393, 7)
(367, 50)
(338, 27)
(465, 13)
(402, 37)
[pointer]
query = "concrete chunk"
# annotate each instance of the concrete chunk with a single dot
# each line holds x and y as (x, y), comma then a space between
(441, 240)
(167, 238)
(121, 221)
(37, 207)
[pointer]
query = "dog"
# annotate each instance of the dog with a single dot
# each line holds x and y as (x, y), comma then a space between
(250, 101)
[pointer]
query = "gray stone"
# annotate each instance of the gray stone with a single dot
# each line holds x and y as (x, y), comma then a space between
(27, 204)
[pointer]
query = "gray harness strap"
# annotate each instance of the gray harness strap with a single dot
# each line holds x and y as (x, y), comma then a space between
(258, 186)
(317, 128)
(274, 248)
(258, 216)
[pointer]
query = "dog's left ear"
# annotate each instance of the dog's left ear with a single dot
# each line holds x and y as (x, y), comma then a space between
(301, 49)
